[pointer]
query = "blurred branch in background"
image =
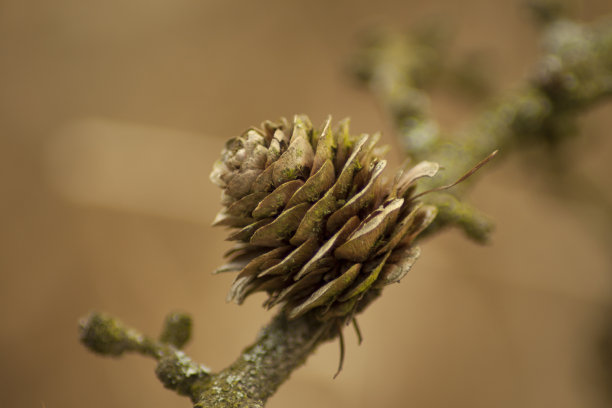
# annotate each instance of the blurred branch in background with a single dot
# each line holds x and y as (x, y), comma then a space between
(573, 74)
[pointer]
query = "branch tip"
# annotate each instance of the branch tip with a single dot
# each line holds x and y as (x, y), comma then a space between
(104, 335)
(176, 330)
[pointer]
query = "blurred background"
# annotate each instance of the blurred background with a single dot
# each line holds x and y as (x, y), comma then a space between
(111, 116)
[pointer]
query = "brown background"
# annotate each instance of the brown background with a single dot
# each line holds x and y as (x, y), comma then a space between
(111, 115)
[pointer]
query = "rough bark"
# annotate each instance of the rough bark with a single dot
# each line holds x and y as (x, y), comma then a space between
(280, 348)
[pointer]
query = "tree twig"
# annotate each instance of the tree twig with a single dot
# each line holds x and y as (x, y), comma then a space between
(574, 73)
(281, 347)
(108, 336)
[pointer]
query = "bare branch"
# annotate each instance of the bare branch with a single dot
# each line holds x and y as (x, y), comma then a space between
(574, 74)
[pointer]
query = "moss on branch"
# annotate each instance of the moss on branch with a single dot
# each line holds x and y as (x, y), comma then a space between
(280, 348)
(108, 336)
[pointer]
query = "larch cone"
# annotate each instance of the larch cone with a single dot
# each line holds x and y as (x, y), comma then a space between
(317, 225)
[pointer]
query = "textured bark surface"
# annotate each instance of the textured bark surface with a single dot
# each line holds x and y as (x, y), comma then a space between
(281, 347)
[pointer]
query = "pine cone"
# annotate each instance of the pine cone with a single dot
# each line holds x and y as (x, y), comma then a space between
(318, 228)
